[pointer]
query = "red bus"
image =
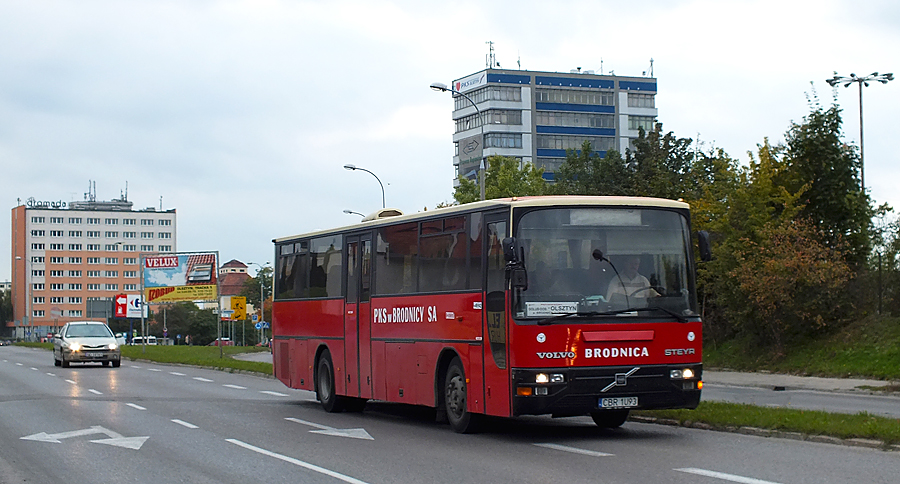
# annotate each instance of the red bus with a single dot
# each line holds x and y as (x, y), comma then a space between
(566, 305)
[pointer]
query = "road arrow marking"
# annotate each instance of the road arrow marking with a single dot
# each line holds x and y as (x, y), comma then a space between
(115, 439)
(723, 476)
(326, 430)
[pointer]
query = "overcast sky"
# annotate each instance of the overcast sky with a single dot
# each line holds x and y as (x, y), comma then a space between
(241, 114)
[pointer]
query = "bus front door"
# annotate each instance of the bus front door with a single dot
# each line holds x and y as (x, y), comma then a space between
(357, 314)
(496, 374)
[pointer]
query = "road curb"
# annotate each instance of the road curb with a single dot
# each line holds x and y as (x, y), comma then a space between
(822, 439)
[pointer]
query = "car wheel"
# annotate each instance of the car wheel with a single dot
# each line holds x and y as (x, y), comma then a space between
(106, 363)
(116, 363)
(65, 364)
(609, 419)
(56, 362)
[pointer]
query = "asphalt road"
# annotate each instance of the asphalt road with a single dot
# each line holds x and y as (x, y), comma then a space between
(155, 423)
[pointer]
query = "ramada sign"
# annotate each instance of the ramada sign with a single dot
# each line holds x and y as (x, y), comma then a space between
(161, 262)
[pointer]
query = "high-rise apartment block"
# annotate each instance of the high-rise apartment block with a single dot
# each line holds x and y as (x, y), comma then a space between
(70, 259)
(536, 116)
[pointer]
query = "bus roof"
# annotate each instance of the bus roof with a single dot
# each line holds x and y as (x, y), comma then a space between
(536, 201)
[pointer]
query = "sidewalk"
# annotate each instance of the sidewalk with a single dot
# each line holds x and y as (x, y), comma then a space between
(791, 382)
(260, 356)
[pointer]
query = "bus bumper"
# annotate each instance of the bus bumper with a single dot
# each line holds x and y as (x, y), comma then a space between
(579, 391)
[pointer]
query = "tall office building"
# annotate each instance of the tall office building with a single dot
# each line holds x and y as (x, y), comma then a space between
(536, 116)
(70, 259)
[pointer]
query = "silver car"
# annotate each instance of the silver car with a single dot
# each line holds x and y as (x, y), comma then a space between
(84, 342)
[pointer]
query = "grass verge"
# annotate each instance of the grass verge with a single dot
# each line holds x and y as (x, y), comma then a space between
(732, 416)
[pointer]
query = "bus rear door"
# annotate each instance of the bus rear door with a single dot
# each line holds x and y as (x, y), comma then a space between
(357, 317)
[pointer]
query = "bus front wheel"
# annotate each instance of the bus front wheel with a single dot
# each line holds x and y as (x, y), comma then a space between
(325, 390)
(455, 400)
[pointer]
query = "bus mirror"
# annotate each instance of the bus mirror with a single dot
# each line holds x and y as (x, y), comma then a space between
(509, 249)
(704, 246)
(519, 278)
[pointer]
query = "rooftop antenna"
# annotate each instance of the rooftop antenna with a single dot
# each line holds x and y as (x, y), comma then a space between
(491, 58)
(160, 203)
(645, 73)
(601, 66)
(519, 60)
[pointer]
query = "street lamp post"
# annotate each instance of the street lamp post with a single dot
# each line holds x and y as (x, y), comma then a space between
(262, 300)
(440, 87)
(351, 212)
(861, 80)
(352, 167)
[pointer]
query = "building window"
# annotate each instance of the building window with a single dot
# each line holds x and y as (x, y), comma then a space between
(93, 287)
(129, 274)
(503, 140)
(147, 221)
(93, 221)
(165, 235)
(112, 273)
(165, 222)
(112, 287)
(129, 261)
(129, 221)
(57, 220)
(93, 247)
(646, 123)
(146, 248)
(75, 220)
(74, 287)
(587, 120)
(74, 273)
(37, 246)
(37, 300)
(74, 300)
(37, 233)
(37, 272)
(74, 233)
(488, 93)
(129, 235)
(38, 313)
(112, 221)
(57, 300)
(74, 246)
(112, 260)
(57, 273)
(93, 273)
(641, 100)
(74, 313)
(165, 248)
(57, 233)
(93, 234)
(74, 260)
(112, 235)
(492, 116)
(57, 287)
(129, 248)
(129, 287)
(146, 235)
(37, 220)
(38, 259)
(93, 260)
(560, 142)
(37, 286)
(57, 246)
(574, 96)
(112, 247)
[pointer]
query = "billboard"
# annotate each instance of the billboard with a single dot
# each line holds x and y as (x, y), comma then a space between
(180, 277)
(129, 306)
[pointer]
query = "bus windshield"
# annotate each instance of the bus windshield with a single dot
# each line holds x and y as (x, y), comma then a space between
(604, 259)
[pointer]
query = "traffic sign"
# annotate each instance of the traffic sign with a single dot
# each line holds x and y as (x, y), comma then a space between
(239, 306)
(255, 317)
(258, 325)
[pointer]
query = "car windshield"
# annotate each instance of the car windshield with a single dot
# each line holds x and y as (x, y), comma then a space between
(604, 260)
(88, 331)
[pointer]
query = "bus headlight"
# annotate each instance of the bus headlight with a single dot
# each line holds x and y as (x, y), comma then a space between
(542, 378)
(549, 378)
(685, 374)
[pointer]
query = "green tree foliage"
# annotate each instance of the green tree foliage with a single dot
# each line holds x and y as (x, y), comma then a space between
(6, 307)
(251, 290)
(585, 173)
(828, 169)
(505, 177)
(185, 318)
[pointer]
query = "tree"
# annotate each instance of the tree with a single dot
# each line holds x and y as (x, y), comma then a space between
(585, 173)
(251, 290)
(827, 171)
(505, 177)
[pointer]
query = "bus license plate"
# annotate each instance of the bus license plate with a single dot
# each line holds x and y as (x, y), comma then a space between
(619, 402)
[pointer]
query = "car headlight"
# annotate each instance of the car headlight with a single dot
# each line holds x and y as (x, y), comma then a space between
(74, 346)
(113, 346)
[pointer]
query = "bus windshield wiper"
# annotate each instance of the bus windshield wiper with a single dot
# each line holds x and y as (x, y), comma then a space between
(678, 317)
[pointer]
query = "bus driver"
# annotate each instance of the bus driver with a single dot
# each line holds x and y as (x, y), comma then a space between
(630, 282)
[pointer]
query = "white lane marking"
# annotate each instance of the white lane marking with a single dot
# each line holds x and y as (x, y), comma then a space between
(95, 392)
(154, 369)
(136, 406)
(236, 387)
(267, 392)
(202, 379)
(33, 368)
(72, 382)
(723, 476)
(135, 366)
(574, 450)
(19, 364)
(176, 373)
(52, 374)
(186, 424)
(297, 462)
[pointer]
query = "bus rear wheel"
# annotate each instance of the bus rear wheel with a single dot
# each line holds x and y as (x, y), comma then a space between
(325, 390)
(609, 419)
(455, 400)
